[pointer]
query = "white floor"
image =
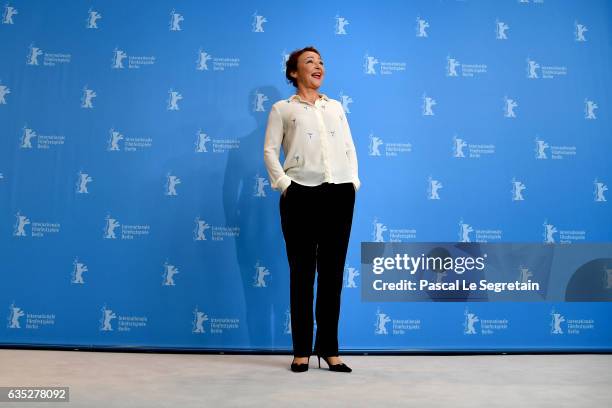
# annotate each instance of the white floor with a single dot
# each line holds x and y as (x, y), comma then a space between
(107, 379)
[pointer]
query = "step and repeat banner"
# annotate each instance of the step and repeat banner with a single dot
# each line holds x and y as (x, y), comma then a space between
(135, 208)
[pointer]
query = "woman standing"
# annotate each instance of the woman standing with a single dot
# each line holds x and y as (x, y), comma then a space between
(318, 181)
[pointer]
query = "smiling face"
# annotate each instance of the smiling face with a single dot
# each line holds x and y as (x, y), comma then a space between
(310, 70)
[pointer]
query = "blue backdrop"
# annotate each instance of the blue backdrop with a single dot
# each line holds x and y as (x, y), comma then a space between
(135, 208)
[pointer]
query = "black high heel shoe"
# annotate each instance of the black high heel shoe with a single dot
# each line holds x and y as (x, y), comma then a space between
(300, 368)
(343, 368)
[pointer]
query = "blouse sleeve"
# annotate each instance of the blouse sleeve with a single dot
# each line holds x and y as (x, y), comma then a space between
(272, 144)
(350, 148)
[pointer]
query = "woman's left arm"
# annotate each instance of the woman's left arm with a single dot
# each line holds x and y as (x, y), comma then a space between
(350, 148)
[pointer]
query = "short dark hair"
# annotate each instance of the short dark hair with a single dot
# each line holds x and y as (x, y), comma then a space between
(292, 63)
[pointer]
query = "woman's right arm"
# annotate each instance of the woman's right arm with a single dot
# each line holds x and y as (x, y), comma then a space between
(272, 145)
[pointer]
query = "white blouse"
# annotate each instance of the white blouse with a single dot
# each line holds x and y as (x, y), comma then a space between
(316, 141)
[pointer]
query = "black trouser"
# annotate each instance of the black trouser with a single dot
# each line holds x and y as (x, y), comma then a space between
(316, 223)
